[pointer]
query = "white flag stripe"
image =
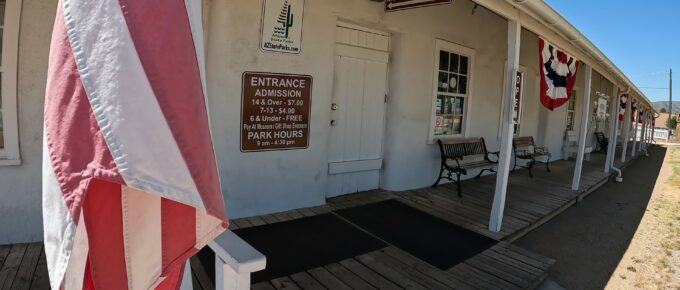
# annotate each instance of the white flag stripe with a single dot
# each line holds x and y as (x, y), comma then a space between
(207, 228)
(142, 226)
(59, 228)
(112, 74)
(75, 274)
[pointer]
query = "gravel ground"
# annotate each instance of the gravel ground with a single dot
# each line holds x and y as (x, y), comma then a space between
(624, 235)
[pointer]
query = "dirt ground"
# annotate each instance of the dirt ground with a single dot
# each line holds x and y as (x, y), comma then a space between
(624, 235)
(652, 261)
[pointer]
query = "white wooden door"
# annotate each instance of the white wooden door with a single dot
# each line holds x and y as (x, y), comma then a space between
(358, 113)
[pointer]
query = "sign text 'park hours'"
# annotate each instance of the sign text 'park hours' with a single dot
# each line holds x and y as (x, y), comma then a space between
(275, 111)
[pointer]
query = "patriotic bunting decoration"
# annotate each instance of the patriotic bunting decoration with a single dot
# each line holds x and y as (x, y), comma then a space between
(623, 101)
(641, 116)
(130, 182)
(558, 75)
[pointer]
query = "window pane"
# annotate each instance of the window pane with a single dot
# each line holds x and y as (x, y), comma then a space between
(440, 105)
(464, 65)
(454, 63)
(458, 106)
(457, 125)
(2, 131)
(2, 12)
(448, 125)
(448, 105)
(462, 84)
(453, 83)
(443, 82)
(443, 60)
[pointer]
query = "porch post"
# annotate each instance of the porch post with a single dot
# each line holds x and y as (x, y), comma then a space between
(626, 128)
(635, 128)
(496, 219)
(583, 133)
(613, 125)
(643, 131)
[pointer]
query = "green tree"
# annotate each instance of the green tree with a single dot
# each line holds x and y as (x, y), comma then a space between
(672, 123)
(663, 110)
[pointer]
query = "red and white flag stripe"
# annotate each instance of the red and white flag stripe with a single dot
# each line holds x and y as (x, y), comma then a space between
(130, 182)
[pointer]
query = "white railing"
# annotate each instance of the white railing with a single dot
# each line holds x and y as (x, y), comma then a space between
(659, 134)
(662, 134)
(235, 260)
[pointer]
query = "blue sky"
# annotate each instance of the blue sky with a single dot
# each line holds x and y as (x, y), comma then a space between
(641, 37)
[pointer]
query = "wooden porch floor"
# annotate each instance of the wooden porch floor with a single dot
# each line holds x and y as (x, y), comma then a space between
(530, 202)
(23, 266)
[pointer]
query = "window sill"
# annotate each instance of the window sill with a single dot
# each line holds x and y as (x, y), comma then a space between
(10, 162)
(444, 138)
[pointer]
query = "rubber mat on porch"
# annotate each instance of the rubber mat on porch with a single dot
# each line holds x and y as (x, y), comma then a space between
(298, 245)
(429, 238)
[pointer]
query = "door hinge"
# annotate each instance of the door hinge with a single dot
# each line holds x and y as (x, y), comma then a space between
(385, 98)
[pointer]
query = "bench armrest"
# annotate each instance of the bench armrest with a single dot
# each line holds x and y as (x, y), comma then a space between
(234, 261)
(495, 153)
(541, 150)
(524, 153)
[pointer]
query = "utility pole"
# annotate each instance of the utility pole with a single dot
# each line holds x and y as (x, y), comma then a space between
(670, 95)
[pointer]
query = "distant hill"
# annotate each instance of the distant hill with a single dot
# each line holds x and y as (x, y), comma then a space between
(664, 104)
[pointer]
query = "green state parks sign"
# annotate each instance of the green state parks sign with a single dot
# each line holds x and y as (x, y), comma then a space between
(282, 26)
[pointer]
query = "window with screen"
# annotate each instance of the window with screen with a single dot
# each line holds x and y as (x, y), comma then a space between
(451, 98)
(10, 11)
(571, 112)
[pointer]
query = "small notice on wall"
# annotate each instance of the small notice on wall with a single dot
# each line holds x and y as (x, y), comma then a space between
(275, 111)
(282, 26)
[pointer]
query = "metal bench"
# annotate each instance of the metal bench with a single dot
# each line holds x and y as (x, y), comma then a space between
(602, 142)
(463, 155)
(525, 149)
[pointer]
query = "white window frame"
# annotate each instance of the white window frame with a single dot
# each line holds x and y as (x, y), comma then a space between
(9, 155)
(574, 97)
(470, 54)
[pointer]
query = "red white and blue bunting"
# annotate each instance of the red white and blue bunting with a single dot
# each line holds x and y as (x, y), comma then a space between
(558, 75)
(622, 106)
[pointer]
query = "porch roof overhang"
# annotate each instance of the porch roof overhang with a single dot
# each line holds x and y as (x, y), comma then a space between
(538, 17)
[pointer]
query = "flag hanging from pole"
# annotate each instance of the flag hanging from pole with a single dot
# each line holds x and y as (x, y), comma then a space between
(130, 182)
(558, 75)
(623, 101)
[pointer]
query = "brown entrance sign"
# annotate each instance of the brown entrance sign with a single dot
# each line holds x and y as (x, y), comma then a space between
(395, 5)
(275, 111)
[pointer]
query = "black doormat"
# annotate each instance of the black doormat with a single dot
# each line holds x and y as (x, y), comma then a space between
(431, 239)
(298, 245)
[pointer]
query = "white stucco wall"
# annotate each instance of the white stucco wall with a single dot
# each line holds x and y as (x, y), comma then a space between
(410, 161)
(20, 186)
(256, 183)
(265, 182)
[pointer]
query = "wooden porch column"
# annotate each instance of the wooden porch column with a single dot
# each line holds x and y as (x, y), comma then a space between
(496, 219)
(613, 126)
(643, 131)
(635, 128)
(626, 128)
(583, 133)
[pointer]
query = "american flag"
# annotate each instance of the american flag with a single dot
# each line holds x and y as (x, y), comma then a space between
(130, 182)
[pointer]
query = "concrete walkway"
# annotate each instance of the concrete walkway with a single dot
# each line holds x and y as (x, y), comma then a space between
(589, 239)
